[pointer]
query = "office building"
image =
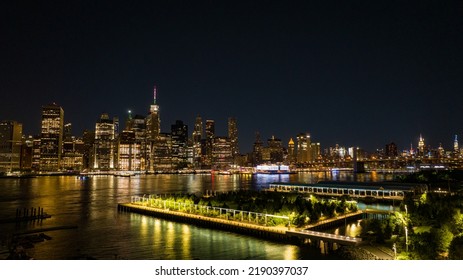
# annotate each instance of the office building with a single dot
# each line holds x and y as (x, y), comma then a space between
(104, 145)
(51, 138)
(10, 146)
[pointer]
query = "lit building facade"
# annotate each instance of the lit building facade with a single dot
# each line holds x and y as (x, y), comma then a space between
(27, 153)
(391, 150)
(153, 130)
(73, 154)
(456, 148)
(179, 133)
(10, 145)
(51, 139)
(275, 150)
(222, 157)
(197, 140)
(291, 152)
(210, 134)
(138, 126)
(303, 147)
(104, 145)
(421, 147)
(162, 153)
(129, 152)
(257, 151)
(233, 136)
(72, 158)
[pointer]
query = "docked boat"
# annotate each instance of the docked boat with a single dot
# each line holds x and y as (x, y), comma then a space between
(273, 169)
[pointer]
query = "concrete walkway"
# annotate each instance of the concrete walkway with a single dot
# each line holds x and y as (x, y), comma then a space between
(379, 252)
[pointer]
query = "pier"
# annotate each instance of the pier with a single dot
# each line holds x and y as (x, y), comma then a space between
(274, 233)
(237, 223)
(380, 191)
(26, 214)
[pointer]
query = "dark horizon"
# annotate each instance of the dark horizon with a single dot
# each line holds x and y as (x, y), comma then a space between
(355, 74)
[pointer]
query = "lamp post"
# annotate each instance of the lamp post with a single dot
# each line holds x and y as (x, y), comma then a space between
(406, 239)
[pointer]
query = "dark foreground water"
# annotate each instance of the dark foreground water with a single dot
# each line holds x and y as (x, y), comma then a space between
(104, 233)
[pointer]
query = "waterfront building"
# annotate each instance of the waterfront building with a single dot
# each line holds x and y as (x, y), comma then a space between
(73, 154)
(129, 150)
(275, 150)
(88, 139)
(197, 137)
(257, 150)
(10, 145)
(456, 148)
(314, 151)
(303, 148)
(222, 155)
(104, 145)
(162, 153)
(421, 146)
(233, 136)
(153, 130)
(51, 139)
(138, 126)
(36, 145)
(179, 132)
(291, 152)
(391, 150)
(26, 153)
(265, 154)
(440, 151)
(210, 134)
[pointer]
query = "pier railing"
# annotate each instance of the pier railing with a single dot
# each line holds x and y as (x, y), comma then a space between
(211, 211)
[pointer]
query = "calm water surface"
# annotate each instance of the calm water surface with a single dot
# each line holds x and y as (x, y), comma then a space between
(104, 233)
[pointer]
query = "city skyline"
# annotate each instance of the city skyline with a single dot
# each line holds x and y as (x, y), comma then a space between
(420, 143)
(363, 74)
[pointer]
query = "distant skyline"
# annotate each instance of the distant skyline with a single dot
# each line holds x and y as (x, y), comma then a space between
(363, 73)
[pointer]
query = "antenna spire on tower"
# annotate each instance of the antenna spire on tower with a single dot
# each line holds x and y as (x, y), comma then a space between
(154, 94)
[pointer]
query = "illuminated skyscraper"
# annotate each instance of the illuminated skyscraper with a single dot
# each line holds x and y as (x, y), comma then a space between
(73, 153)
(314, 151)
(233, 136)
(221, 153)
(440, 151)
(456, 148)
(139, 128)
(275, 150)
(51, 140)
(162, 153)
(10, 145)
(104, 154)
(153, 130)
(391, 150)
(303, 147)
(421, 146)
(257, 150)
(291, 151)
(179, 132)
(129, 151)
(153, 121)
(197, 137)
(210, 134)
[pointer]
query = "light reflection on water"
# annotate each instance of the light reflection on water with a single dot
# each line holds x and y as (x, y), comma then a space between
(104, 233)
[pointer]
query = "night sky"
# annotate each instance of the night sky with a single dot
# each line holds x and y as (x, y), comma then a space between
(356, 73)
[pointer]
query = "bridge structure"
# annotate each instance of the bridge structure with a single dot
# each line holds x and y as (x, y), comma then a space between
(387, 191)
(328, 238)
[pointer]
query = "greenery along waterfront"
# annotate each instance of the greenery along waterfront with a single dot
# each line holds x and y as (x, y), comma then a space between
(296, 209)
(429, 226)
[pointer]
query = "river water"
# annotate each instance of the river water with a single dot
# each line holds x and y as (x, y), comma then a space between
(104, 233)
